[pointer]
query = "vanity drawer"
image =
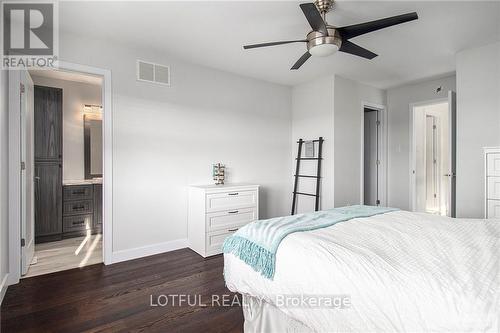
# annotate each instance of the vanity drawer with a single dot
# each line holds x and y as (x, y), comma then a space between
(77, 223)
(229, 220)
(230, 200)
(77, 207)
(77, 192)
(214, 241)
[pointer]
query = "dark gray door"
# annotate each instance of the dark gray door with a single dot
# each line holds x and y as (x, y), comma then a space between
(48, 123)
(48, 198)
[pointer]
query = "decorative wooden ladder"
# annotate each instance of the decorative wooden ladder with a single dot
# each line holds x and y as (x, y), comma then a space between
(298, 175)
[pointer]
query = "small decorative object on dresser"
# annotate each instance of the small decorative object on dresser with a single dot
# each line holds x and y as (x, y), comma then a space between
(492, 182)
(219, 173)
(217, 211)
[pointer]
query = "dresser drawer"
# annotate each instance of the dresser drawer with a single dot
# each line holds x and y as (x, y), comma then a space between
(493, 188)
(230, 200)
(77, 192)
(77, 223)
(77, 207)
(227, 220)
(214, 241)
(493, 209)
(493, 164)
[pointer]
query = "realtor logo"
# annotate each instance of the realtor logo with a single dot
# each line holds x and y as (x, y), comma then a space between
(29, 34)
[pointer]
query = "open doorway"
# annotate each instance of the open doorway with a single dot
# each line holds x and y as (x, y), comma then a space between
(433, 157)
(67, 154)
(37, 156)
(374, 136)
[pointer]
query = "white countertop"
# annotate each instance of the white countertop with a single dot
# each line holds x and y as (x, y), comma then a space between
(82, 181)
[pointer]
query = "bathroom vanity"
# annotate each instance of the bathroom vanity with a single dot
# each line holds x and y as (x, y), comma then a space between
(82, 208)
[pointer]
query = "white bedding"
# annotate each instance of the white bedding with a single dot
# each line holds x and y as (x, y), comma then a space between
(402, 272)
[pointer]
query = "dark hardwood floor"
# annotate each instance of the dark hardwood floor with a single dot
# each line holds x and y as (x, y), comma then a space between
(117, 298)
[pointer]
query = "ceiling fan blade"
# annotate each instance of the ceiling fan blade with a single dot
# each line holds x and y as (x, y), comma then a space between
(351, 48)
(364, 28)
(314, 17)
(273, 43)
(301, 61)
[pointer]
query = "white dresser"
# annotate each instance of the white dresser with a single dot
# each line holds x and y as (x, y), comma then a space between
(217, 211)
(492, 182)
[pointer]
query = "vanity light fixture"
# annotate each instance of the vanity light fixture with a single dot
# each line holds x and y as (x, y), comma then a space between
(92, 109)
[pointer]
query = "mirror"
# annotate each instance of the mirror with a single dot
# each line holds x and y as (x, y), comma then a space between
(92, 134)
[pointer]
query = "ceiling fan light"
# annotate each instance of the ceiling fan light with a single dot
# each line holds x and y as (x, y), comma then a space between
(323, 50)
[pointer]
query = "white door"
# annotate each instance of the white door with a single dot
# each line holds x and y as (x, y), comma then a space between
(27, 172)
(371, 158)
(431, 165)
(452, 160)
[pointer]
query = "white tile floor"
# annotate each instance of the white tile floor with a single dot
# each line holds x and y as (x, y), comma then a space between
(66, 254)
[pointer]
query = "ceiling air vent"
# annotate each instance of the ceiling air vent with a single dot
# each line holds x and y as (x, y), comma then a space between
(155, 73)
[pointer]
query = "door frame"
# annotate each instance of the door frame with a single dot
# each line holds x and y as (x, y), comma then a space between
(383, 152)
(412, 157)
(15, 166)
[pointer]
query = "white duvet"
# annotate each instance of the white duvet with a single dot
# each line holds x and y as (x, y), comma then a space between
(403, 272)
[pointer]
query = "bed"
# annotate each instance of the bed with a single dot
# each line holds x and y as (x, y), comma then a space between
(392, 272)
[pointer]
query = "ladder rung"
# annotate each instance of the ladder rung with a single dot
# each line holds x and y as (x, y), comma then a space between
(303, 141)
(308, 158)
(306, 176)
(309, 194)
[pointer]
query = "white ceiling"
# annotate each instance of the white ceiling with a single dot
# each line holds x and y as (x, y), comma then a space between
(212, 33)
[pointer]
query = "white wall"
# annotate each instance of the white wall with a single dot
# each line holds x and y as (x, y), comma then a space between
(312, 117)
(4, 181)
(75, 96)
(398, 108)
(349, 96)
(166, 138)
(478, 123)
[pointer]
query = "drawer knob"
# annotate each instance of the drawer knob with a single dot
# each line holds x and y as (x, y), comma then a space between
(233, 212)
(78, 222)
(234, 193)
(231, 230)
(78, 207)
(79, 192)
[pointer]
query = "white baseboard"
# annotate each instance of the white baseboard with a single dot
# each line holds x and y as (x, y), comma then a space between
(145, 251)
(3, 287)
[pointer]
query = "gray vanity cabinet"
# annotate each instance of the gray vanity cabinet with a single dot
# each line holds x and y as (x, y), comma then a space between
(98, 207)
(48, 163)
(82, 209)
(48, 200)
(48, 123)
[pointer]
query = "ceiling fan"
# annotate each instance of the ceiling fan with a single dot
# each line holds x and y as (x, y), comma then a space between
(325, 39)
